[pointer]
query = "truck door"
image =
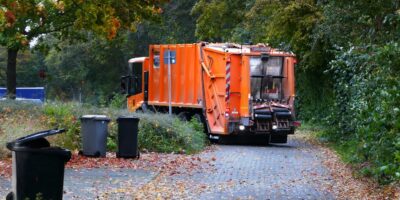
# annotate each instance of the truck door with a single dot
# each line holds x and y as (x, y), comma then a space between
(132, 85)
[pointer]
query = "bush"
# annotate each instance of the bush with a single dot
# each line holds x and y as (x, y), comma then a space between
(18, 119)
(65, 116)
(158, 132)
(366, 117)
(163, 133)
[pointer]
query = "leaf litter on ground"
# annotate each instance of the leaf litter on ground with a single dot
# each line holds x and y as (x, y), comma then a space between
(346, 184)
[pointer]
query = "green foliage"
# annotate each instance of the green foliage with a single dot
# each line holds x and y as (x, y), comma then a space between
(367, 106)
(84, 72)
(65, 116)
(23, 21)
(216, 19)
(118, 101)
(89, 71)
(112, 135)
(163, 133)
(67, 17)
(157, 132)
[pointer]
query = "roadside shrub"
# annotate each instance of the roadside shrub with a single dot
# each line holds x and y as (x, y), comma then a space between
(366, 117)
(118, 101)
(65, 116)
(18, 119)
(163, 133)
(157, 132)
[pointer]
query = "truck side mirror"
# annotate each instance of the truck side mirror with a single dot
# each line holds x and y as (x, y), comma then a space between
(124, 84)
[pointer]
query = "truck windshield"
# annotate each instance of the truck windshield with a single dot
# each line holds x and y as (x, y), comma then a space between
(266, 78)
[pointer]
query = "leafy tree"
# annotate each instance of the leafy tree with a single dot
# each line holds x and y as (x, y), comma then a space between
(218, 18)
(175, 25)
(361, 21)
(22, 21)
(27, 70)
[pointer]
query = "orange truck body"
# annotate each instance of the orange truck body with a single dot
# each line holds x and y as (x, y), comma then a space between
(234, 88)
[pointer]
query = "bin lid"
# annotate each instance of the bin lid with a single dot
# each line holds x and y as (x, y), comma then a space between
(128, 118)
(96, 117)
(35, 140)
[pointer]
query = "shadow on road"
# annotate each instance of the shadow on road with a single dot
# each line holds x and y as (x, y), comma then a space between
(250, 140)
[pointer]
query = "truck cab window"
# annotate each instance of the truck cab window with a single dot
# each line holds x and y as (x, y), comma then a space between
(266, 78)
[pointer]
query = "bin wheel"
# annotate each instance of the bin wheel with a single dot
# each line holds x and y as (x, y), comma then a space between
(10, 196)
(80, 152)
(97, 154)
(138, 155)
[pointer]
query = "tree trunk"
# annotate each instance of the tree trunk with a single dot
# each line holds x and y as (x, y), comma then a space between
(12, 73)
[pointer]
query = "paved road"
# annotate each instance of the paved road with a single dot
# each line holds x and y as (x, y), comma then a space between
(290, 171)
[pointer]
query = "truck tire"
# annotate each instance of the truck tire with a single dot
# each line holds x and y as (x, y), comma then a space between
(182, 116)
(214, 140)
(10, 196)
(144, 107)
(198, 118)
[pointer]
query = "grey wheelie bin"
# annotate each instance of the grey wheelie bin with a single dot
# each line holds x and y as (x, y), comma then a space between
(94, 131)
(37, 168)
(128, 137)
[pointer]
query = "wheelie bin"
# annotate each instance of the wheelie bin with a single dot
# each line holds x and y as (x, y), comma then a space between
(37, 168)
(94, 131)
(127, 137)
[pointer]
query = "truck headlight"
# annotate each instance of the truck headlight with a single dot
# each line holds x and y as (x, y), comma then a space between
(274, 127)
(241, 127)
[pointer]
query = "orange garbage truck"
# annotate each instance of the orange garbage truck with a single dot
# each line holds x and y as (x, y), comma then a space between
(232, 88)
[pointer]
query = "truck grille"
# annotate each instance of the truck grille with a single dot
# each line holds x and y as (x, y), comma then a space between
(263, 126)
(283, 123)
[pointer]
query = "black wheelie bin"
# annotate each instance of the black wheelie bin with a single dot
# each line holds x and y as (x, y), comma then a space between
(128, 137)
(37, 167)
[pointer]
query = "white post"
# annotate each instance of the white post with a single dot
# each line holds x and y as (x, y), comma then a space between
(169, 82)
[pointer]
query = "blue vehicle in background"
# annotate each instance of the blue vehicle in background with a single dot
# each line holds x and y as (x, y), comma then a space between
(31, 94)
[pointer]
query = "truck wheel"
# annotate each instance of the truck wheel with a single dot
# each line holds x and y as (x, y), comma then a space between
(182, 116)
(279, 138)
(144, 108)
(213, 139)
(197, 117)
(10, 196)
